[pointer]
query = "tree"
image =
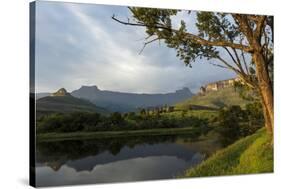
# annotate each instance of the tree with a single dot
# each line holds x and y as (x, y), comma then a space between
(132, 115)
(143, 112)
(229, 124)
(116, 118)
(171, 108)
(241, 43)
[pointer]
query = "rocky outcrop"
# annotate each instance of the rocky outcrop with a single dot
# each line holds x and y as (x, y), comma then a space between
(218, 85)
(61, 92)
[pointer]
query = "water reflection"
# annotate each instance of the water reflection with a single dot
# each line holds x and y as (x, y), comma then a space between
(116, 159)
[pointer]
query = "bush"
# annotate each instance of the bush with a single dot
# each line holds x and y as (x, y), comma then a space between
(116, 118)
(235, 123)
(50, 123)
(73, 122)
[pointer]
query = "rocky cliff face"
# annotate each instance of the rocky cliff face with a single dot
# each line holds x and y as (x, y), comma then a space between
(219, 85)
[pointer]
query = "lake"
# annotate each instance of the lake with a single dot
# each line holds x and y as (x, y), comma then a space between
(121, 159)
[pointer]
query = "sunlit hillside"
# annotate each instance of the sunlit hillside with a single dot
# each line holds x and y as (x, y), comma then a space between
(213, 99)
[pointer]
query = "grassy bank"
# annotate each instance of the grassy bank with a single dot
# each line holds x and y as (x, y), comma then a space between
(109, 134)
(252, 154)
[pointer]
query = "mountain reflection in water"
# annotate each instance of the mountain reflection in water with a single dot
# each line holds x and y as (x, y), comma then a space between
(118, 159)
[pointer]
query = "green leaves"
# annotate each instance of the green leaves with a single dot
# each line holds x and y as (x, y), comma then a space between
(154, 17)
(210, 26)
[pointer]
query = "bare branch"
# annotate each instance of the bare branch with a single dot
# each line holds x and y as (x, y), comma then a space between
(246, 78)
(218, 65)
(148, 42)
(230, 54)
(228, 65)
(238, 61)
(245, 63)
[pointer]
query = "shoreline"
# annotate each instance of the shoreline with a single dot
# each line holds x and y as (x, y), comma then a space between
(252, 154)
(44, 137)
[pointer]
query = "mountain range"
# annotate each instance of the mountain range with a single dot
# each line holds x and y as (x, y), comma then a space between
(123, 101)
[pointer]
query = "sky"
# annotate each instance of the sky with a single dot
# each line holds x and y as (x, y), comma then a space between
(80, 45)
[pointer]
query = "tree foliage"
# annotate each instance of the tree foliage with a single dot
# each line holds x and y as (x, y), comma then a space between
(234, 122)
(83, 121)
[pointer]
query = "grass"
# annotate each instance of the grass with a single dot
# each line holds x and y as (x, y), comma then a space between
(252, 154)
(256, 159)
(214, 99)
(109, 134)
(203, 114)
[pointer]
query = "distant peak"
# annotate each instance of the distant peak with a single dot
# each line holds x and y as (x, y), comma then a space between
(90, 87)
(61, 92)
(185, 89)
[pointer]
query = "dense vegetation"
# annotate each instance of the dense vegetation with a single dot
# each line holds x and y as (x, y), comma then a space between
(234, 122)
(93, 122)
(231, 123)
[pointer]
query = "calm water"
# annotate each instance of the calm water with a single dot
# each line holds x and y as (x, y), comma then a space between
(119, 159)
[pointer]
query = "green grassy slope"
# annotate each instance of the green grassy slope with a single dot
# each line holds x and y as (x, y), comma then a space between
(214, 99)
(252, 154)
(65, 104)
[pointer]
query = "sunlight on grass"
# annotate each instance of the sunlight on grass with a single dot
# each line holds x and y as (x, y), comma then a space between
(258, 158)
(252, 154)
(214, 99)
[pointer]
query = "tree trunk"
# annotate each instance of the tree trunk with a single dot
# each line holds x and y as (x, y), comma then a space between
(266, 90)
(267, 121)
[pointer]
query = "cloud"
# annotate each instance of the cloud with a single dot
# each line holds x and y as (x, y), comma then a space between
(79, 44)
